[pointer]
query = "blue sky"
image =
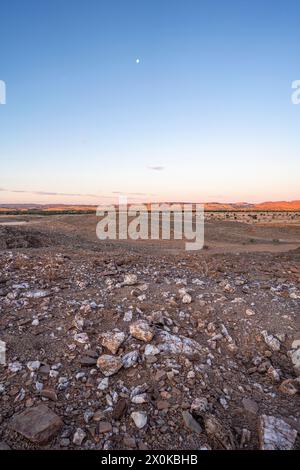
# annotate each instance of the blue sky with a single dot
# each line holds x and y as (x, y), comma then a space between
(205, 115)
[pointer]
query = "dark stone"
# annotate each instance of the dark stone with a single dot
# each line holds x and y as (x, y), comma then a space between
(38, 424)
(120, 409)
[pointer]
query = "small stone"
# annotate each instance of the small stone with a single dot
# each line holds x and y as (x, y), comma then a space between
(78, 322)
(228, 288)
(151, 359)
(295, 356)
(33, 365)
(274, 374)
(250, 406)
(217, 431)
(103, 384)
(112, 340)
(245, 437)
(130, 359)
(37, 294)
(281, 337)
(79, 436)
(199, 406)
(294, 295)
(109, 400)
(288, 387)
(151, 350)
(190, 422)
(104, 427)
(296, 344)
(65, 442)
(87, 361)
(275, 434)
(49, 393)
(139, 418)
(39, 386)
(160, 374)
(38, 424)
(44, 369)
(139, 389)
(171, 344)
(162, 404)
(127, 316)
(15, 367)
(130, 280)
(129, 442)
(81, 338)
(53, 374)
(271, 341)
(250, 312)
(87, 416)
(92, 353)
(109, 365)
(139, 399)
(120, 409)
(79, 375)
(141, 330)
(186, 299)
(98, 416)
(268, 353)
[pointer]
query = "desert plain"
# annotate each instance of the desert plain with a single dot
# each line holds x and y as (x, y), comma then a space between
(143, 345)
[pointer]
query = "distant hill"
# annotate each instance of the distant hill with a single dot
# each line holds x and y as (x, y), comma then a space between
(209, 206)
(263, 206)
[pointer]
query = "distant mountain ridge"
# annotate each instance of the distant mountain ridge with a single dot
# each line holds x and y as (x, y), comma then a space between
(209, 206)
(262, 206)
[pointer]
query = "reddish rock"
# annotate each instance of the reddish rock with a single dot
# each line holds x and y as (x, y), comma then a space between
(49, 393)
(141, 330)
(162, 405)
(289, 387)
(38, 424)
(109, 365)
(112, 340)
(104, 427)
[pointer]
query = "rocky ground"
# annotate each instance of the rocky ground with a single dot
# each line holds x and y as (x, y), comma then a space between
(117, 347)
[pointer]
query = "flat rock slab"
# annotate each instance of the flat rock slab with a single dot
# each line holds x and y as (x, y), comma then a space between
(275, 434)
(38, 424)
(171, 344)
(191, 423)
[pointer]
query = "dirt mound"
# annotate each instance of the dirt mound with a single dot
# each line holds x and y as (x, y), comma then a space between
(12, 237)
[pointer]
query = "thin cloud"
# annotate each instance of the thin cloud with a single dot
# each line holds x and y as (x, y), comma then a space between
(156, 168)
(120, 193)
(47, 193)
